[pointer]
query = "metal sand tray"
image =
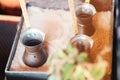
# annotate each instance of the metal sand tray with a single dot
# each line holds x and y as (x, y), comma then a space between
(20, 71)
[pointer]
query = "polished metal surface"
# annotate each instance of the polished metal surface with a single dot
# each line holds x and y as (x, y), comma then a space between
(34, 54)
(32, 33)
(83, 42)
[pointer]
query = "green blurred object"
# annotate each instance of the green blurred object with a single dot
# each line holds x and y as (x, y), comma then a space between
(98, 72)
(67, 71)
(82, 57)
(79, 73)
(61, 54)
(74, 66)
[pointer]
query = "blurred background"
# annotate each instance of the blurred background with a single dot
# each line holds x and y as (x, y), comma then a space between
(10, 7)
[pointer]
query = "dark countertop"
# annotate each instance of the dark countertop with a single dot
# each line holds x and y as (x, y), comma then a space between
(8, 28)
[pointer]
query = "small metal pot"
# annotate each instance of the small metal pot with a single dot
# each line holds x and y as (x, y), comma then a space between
(83, 42)
(34, 54)
(84, 13)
